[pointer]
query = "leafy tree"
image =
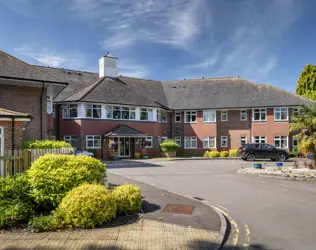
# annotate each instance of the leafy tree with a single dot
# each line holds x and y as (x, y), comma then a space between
(306, 84)
(305, 127)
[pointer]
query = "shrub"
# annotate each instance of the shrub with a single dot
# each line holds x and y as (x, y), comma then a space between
(169, 146)
(214, 154)
(233, 152)
(295, 153)
(224, 154)
(52, 176)
(87, 206)
(206, 154)
(45, 144)
(14, 212)
(128, 199)
(44, 223)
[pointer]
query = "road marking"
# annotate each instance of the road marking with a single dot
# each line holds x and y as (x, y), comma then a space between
(247, 237)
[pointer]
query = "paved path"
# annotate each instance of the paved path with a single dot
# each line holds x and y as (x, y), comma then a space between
(279, 214)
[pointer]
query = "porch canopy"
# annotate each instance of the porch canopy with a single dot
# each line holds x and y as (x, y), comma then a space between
(125, 131)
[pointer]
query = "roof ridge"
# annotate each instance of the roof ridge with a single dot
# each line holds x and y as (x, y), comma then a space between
(138, 78)
(33, 67)
(49, 67)
(206, 78)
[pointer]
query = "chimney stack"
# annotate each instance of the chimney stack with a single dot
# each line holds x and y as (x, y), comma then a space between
(107, 66)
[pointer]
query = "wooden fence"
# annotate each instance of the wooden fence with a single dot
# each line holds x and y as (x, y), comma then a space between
(21, 160)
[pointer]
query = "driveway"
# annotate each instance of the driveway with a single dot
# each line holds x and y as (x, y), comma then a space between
(280, 214)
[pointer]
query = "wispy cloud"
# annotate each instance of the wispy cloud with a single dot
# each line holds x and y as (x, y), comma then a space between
(128, 68)
(50, 57)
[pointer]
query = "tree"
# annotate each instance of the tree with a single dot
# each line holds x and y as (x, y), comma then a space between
(306, 84)
(305, 126)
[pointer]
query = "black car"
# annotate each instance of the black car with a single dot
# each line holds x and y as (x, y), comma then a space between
(252, 151)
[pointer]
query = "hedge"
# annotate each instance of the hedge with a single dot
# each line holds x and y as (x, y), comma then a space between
(45, 144)
(214, 154)
(224, 154)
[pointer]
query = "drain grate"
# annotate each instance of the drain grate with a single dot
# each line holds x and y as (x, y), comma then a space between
(178, 209)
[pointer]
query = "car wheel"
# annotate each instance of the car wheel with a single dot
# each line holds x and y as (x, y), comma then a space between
(251, 157)
(244, 159)
(282, 157)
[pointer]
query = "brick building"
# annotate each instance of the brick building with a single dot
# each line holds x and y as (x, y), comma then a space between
(99, 110)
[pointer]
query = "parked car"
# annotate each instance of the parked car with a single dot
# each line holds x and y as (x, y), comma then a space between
(252, 151)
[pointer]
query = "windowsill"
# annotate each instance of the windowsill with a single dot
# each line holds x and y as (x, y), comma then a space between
(281, 120)
(104, 119)
(210, 122)
(243, 120)
(190, 123)
(263, 121)
(177, 122)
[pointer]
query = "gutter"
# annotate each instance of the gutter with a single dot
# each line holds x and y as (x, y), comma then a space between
(32, 80)
(12, 144)
(41, 111)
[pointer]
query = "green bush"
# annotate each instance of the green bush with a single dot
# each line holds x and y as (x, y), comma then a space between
(233, 152)
(14, 212)
(224, 154)
(44, 223)
(52, 176)
(295, 153)
(206, 154)
(169, 146)
(87, 206)
(128, 199)
(214, 154)
(45, 144)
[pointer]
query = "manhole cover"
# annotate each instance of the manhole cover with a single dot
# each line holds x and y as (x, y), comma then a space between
(178, 209)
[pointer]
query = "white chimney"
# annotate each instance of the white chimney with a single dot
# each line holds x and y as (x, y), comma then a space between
(107, 65)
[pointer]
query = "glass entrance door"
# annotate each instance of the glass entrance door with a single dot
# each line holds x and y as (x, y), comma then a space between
(123, 147)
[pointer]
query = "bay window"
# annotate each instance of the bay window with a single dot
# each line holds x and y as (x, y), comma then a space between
(70, 111)
(209, 142)
(209, 115)
(93, 141)
(190, 117)
(146, 114)
(93, 111)
(109, 112)
(281, 114)
(120, 113)
(164, 116)
(158, 115)
(259, 114)
(190, 142)
(281, 141)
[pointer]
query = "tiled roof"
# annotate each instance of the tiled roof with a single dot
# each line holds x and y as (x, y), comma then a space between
(123, 130)
(13, 68)
(10, 113)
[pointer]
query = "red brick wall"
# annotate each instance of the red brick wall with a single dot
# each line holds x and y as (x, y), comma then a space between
(18, 134)
(26, 100)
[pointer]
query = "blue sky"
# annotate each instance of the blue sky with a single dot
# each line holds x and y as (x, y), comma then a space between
(265, 41)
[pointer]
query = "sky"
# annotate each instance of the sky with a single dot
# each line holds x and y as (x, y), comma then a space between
(264, 41)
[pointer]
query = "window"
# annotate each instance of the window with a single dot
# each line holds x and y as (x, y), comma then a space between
(93, 111)
(190, 117)
(281, 114)
(53, 110)
(149, 142)
(164, 138)
(177, 140)
(224, 141)
(259, 139)
(109, 112)
(132, 113)
(243, 115)
(190, 142)
(146, 114)
(93, 141)
(280, 142)
(49, 104)
(209, 142)
(224, 115)
(53, 137)
(70, 111)
(295, 142)
(117, 112)
(71, 139)
(209, 116)
(295, 112)
(164, 116)
(259, 115)
(243, 140)
(158, 115)
(178, 117)
(120, 113)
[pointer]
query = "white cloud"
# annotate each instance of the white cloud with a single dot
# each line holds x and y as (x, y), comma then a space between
(50, 57)
(128, 68)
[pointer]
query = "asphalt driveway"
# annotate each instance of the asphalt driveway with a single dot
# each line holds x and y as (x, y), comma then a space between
(280, 214)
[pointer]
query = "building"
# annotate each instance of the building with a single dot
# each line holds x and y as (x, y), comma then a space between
(109, 113)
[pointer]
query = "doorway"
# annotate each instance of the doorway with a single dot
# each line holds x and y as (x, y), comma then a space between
(124, 147)
(1, 150)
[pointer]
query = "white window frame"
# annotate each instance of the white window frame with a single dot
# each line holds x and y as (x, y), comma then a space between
(164, 138)
(177, 140)
(209, 114)
(93, 107)
(241, 140)
(260, 139)
(293, 140)
(70, 138)
(66, 111)
(49, 104)
(279, 110)
(243, 111)
(190, 113)
(148, 112)
(164, 116)
(149, 138)
(297, 111)
(224, 138)
(159, 115)
(279, 137)
(224, 112)
(191, 139)
(177, 114)
(261, 110)
(207, 139)
(93, 138)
